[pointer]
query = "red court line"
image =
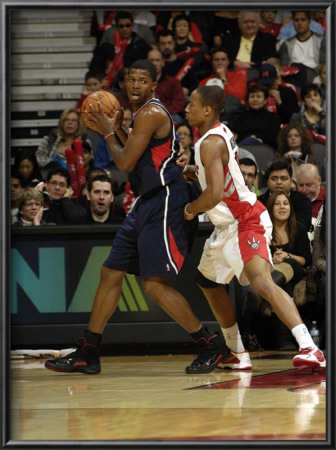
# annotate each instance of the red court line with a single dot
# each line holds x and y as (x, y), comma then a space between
(288, 379)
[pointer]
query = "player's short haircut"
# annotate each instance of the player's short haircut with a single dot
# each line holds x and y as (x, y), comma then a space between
(147, 65)
(212, 96)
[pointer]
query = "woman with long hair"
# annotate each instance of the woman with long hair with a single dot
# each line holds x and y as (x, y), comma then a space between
(27, 167)
(290, 243)
(295, 143)
(53, 145)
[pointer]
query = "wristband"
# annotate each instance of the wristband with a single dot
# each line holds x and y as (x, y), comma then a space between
(186, 212)
(109, 134)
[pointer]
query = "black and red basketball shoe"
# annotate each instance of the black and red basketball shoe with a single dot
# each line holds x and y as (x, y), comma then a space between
(84, 359)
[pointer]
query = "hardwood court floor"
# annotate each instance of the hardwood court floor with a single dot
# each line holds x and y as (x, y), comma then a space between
(150, 398)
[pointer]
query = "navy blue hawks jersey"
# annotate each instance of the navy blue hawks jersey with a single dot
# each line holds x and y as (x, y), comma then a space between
(157, 166)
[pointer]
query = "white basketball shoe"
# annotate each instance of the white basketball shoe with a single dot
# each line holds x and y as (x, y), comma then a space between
(237, 361)
(309, 358)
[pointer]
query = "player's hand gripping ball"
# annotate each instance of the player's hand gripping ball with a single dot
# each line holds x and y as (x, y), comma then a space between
(108, 101)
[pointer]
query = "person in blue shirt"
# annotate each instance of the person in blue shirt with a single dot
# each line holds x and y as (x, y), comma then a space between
(288, 30)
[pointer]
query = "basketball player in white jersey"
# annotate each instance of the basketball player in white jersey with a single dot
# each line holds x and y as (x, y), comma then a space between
(239, 243)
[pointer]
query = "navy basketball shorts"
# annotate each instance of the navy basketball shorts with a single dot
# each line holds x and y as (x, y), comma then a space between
(152, 240)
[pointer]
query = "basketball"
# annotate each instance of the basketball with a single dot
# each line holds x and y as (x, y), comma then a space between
(108, 101)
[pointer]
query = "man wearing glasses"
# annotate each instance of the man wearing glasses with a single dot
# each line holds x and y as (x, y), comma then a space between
(30, 208)
(137, 48)
(249, 169)
(60, 209)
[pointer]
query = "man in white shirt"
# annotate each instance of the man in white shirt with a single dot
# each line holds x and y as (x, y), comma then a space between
(306, 50)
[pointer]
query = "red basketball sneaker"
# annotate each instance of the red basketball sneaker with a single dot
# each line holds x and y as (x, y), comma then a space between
(236, 361)
(309, 357)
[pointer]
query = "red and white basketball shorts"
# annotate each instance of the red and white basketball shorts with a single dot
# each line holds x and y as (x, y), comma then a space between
(230, 247)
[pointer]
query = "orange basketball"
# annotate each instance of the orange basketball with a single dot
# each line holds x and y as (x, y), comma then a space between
(108, 101)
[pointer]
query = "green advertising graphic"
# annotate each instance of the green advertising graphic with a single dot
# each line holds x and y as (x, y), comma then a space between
(51, 278)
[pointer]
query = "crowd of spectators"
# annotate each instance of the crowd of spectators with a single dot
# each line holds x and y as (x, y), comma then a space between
(272, 68)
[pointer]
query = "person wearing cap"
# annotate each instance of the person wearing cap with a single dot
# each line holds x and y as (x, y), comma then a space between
(281, 99)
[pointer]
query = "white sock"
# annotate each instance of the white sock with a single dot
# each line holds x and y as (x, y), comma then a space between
(302, 336)
(233, 339)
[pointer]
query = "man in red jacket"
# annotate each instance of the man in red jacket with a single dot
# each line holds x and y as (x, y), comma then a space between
(169, 89)
(233, 83)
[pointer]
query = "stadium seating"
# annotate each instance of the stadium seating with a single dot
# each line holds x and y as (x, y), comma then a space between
(50, 53)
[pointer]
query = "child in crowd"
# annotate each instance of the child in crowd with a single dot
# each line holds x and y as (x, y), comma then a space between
(93, 82)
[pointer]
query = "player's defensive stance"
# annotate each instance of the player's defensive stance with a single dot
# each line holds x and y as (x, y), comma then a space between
(239, 243)
(152, 241)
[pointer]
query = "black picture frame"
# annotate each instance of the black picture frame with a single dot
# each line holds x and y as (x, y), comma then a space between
(6, 7)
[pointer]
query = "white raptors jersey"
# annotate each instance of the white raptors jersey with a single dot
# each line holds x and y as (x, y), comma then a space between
(237, 198)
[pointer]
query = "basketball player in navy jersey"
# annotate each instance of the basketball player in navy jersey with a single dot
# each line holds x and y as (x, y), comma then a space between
(151, 242)
(239, 243)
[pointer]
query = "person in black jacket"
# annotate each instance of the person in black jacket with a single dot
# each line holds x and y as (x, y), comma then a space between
(256, 125)
(137, 48)
(61, 209)
(249, 46)
(279, 177)
(103, 208)
(175, 66)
